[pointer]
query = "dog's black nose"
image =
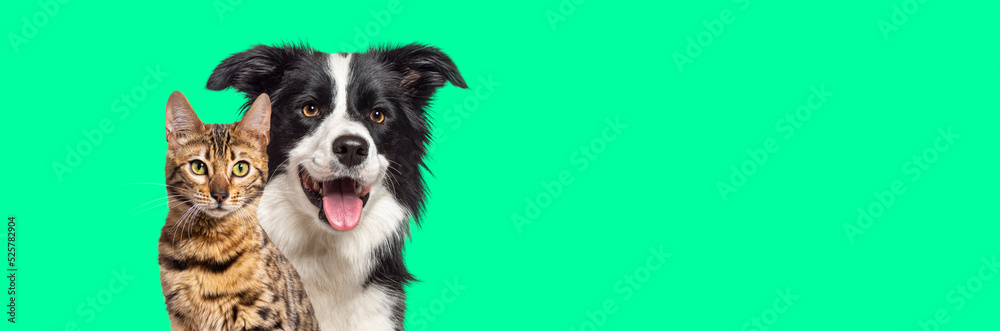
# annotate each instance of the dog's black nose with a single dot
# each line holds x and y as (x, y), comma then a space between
(350, 149)
(220, 196)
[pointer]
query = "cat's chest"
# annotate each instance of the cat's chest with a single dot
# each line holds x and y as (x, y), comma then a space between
(211, 304)
(214, 319)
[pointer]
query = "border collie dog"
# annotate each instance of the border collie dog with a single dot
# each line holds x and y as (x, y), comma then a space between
(348, 138)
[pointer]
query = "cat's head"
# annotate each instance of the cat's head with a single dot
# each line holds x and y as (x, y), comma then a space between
(216, 168)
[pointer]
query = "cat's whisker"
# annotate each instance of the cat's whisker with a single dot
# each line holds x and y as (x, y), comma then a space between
(194, 219)
(175, 205)
(249, 211)
(158, 205)
(250, 225)
(178, 201)
(254, 225)
(160, 184)
(181, 220)
(252, 222)
(189, 223)
(151, 208)
(243, 222)
(154, 200)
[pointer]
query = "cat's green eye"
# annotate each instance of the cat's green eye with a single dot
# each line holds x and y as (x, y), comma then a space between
(241, 169)
(198, 168)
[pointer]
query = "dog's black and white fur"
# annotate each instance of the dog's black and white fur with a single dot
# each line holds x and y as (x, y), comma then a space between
(354, 278)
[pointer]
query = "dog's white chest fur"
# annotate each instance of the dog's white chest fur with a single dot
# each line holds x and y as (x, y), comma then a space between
(334, 266)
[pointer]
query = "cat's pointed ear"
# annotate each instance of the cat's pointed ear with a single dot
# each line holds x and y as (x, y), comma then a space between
(181, 119)
(257, 121)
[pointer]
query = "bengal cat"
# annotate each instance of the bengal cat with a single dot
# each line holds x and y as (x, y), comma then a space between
(218, 269)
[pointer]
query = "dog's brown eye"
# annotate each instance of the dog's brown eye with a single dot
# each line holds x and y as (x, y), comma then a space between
(310, 110)
(377, 116)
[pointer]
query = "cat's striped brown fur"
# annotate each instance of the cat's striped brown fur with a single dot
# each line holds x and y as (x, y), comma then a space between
(218, 269)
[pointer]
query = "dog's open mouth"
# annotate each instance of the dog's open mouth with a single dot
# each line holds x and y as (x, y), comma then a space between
(340, 200)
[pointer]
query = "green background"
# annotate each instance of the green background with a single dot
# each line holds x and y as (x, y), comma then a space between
(653, 185)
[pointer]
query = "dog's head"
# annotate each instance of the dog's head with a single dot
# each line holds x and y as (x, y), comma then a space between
(346, 125)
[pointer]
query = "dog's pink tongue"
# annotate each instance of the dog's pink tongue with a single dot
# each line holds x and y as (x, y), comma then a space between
(341, 204)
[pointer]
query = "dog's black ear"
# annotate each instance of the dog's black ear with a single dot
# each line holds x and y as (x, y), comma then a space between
(422, 68)
(256, 70)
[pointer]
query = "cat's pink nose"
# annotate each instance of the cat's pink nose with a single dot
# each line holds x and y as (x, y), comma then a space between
(220, 196)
